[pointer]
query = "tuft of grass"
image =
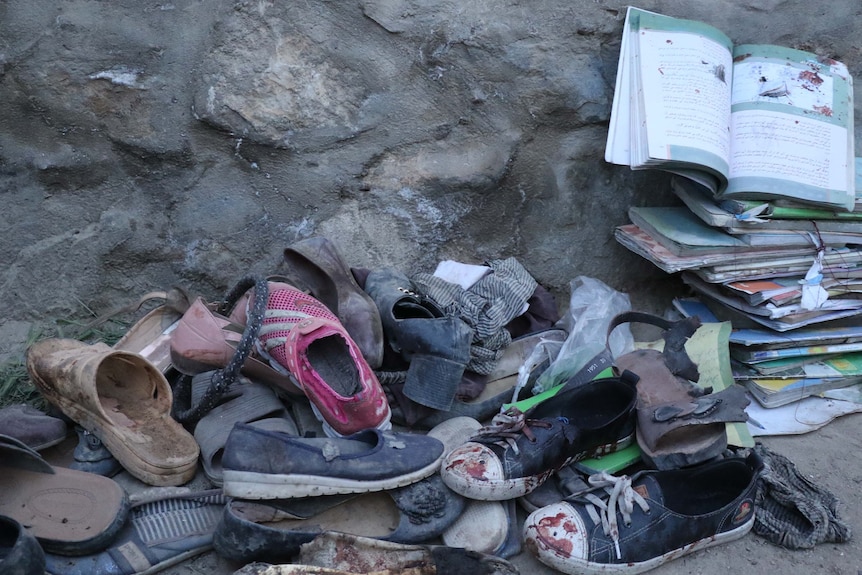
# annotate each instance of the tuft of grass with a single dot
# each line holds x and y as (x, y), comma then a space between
(15, 384)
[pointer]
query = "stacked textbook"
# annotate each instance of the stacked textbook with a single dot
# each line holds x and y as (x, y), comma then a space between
(769, 230)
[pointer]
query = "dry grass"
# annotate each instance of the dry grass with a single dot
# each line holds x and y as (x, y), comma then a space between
(15, 384)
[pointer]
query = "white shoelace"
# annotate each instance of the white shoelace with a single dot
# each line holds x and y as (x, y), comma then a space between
(508, 426)
(620, 497)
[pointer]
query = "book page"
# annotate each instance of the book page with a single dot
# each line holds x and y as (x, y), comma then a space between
(684, 72)
(618, 146)
(791, 128)
(686, 93)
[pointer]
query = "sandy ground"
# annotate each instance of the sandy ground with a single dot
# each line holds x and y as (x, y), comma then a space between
(828, 456)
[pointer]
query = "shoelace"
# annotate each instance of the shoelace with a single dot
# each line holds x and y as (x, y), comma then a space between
(508, 426)
(620, 497)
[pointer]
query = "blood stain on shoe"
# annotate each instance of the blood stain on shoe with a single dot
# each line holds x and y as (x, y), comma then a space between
(547, 532)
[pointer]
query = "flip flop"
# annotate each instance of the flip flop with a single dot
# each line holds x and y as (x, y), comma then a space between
(69, 512)
(159, 533)
(248, 402)
(122, 399)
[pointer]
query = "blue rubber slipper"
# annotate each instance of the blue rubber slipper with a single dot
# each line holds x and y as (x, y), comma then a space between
(158, 534)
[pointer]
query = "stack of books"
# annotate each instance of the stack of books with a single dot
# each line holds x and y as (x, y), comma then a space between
(762, 280)
(780, 368)
(761, 139)
(769, 230)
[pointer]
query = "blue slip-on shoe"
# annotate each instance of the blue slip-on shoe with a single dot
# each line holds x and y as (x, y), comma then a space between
(263, 464)
(634, 524)
(518, 452)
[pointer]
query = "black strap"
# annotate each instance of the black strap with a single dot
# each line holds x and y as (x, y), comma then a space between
(222, 379)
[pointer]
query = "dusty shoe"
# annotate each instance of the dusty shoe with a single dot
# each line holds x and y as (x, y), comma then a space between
(263, 464)
(632, 525)
(679, 423)
(205, 340)
(274, 530)
(122, 399)
(518, 452)
(315, 264)
(437, 346)
(20, 552)
(92, 456)
(159, 532)
(363, 555)
(30, 426)
(301, 337)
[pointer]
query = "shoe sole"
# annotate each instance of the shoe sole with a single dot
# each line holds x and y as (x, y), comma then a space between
(253, 485)
(503, 489)
(573, 566)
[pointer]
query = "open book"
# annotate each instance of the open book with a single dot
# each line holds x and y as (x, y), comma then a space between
(750, 122)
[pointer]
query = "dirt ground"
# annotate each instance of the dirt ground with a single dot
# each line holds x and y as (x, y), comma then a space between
(828, 456)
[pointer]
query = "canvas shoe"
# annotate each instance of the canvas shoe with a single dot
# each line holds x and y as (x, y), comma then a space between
(634, 524)
(518, 452)
(300, 336)
(263, 464)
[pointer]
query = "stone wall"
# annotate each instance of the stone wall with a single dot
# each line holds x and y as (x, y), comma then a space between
(149, 144)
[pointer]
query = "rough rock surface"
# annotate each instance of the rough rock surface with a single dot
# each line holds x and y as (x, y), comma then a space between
(145, 144)
(158, 143)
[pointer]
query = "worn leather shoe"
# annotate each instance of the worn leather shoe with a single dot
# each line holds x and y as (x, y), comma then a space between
(437, 346)
(205, 340)
(314, 264)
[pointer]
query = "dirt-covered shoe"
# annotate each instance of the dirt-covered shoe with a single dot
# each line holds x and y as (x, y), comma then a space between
(302, 337)
(316, 264)
(518, 451)
(263, 464)
(358, 554)
(37, 430)
(634, 524)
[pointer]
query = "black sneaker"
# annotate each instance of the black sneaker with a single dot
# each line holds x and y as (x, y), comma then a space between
(670, 514)
(519, 451)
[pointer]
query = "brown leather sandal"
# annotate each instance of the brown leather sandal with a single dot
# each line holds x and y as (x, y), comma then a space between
(678, 422)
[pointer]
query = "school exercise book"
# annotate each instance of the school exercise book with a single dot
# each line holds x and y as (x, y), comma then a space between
(748, 122)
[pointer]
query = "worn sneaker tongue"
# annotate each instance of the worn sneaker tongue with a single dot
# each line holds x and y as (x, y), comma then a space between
(647, 487)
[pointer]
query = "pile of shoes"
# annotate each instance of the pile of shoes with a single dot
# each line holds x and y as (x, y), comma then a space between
(330, 408)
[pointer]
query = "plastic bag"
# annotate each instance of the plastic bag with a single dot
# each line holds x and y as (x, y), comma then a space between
(592, 307)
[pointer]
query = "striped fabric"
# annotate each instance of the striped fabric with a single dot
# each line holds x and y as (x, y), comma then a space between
(487, 306)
